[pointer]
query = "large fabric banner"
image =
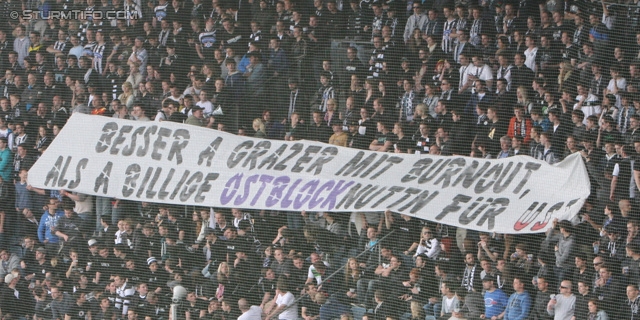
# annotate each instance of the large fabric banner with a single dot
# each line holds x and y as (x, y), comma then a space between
(181, 164)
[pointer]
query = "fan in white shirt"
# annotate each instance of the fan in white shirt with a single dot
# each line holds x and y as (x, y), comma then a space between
(205, 103)
(478, 70)
(249, 312)
(530, 53)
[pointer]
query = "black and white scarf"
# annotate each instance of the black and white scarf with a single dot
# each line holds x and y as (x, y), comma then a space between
(467, 280)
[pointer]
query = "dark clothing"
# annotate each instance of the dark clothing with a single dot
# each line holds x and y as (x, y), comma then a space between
(582, 307)
(313, 308)
(539, 309)
(320, 132)
(16, 302)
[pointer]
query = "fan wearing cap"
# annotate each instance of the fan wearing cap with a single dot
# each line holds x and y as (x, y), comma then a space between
(244, 263)
(13, 300)
(93, 256)
(38, 270)
(614, 247)
(156, 278)
(197, 117)
(495, 300)
(325, 93)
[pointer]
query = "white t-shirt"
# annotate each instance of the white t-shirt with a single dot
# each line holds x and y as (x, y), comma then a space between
(207, 106)
(291, 313)
(483, 73)
(255, 313)
(530, 60)
(621, 83)
(312, 273)
(589, 107)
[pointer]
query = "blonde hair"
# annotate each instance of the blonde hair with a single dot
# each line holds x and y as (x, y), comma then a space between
(223, 277)
(127, 84)
(223, 264)
(261, 127)
(523, 93)
(348, 270)
(422, 109)
(416, 310)
(334, 102)
(124, 96)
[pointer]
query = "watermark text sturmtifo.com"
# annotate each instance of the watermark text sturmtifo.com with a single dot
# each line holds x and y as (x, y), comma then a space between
(74, 15)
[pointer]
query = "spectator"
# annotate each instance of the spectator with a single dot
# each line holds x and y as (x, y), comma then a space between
(595, 312)
(539, 308)
(562, 305)
(450, 301)
(471, 276)
(607, 288)
(519, 304)
(582, 298)
(439, 52)
(285, 307)
(495, 300)
(249, 312)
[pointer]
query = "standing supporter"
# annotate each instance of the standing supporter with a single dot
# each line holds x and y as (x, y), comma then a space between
(285, 307)
(631, 310)
(519, 304)
(608, 288)
(495, 300)
(471, 277)
(447, 49)
(450, 301)
(562, 305)
(582, 299)
(539, 308)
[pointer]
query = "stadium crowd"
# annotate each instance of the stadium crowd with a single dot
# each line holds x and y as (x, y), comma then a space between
(486, 79)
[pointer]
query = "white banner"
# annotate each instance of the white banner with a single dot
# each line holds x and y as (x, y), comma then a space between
(181, 164)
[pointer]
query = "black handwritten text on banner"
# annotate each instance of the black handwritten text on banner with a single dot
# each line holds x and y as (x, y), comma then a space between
(175, 163)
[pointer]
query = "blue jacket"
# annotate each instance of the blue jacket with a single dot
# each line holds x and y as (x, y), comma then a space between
(278, 62)
(494, 303)
(518, 306)
(545, 124)
(47, 226)
(6, 165)
(243, 64)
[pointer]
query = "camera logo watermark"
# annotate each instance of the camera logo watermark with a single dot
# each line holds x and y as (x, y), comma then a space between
(74, 15)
